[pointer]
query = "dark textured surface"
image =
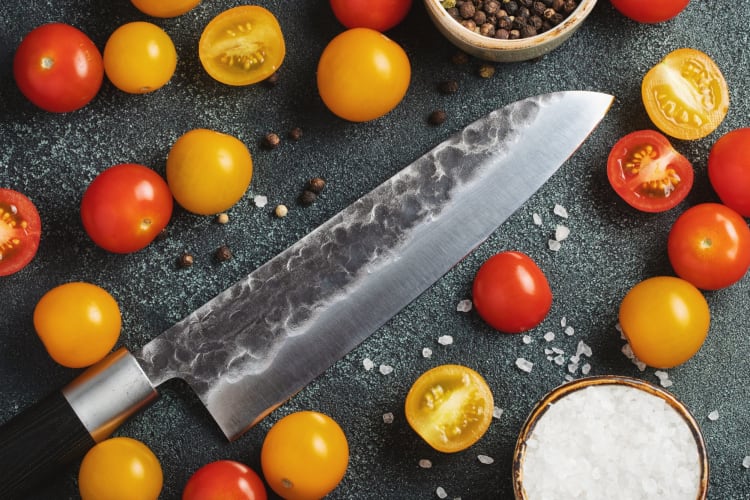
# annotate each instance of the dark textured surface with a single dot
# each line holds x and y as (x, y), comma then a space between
(52, 158)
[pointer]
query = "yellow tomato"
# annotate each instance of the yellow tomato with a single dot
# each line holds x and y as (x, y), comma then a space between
(208, 171)
(304, 456)
(165, 8)
(665, 320)
(242, 45)
(450, 407)
(120, 468)
(685, 94)
(78, 323)
(362, 75)
(139, 57)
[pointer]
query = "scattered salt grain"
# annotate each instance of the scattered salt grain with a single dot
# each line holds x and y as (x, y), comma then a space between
(583, 349)
(425, 463)
(368, 364)
(713, 416)
(484, 459)
(572, 367)
(548, 351)
(527, 339)
(563, 322)
(464, 306)
(746, 462)
(549, 336)
(561, 232)
(445, 340)
(537, 219)
(586, 368)
(557, 350)
(559, 359)
(524, 365)
(440, 492)
(426, 352)
(560, 211)
(497, 412)
(388, 418)
(386, 369)
(554, 245)
(569, 331)
(663, 378)
(628, 352)
(260, 201)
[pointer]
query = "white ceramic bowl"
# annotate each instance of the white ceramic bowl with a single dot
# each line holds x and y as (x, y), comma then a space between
(493, 49)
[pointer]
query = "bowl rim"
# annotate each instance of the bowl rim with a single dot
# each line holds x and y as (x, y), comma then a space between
(569, 24)
(541, 407)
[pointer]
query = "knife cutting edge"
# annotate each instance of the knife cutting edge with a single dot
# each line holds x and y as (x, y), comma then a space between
(259, 342)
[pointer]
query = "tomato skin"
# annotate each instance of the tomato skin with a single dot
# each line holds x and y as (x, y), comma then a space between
(729, 169)
(685, 94)
(379, 15)
(165, 8)
(304, 456)
(20, 231)
(665, 320)
(647, 11)
(709, 246)
(139, 57)
(648, 173)
(58, 68)
(208, 172)
(362, 75)
(120, 468)
(225, 480)
(233, 54)
(450, 407)
(511, 293)
(126, 207)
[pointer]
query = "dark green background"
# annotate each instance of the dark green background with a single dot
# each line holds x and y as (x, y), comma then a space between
(52, 158)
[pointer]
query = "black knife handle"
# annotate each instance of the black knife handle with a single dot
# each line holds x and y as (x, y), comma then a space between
(52, 434)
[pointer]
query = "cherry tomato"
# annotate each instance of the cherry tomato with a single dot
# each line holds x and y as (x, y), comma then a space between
(20, 231)
(648, 11)
(450, 407)
(362, 75)
(379, 15)
(225, 480)
(78, 323)
(729, 169)
(165, 8)
(139, 57)
(665, 320)
(685, 94)
(126, 207)
(58, 68)
(709, 246)
(242, 45)
(208, 171)
(304, 455)
(120, 468)
(646, 171)
(511, 293)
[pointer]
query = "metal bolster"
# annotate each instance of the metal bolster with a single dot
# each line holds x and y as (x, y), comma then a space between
(108, 393)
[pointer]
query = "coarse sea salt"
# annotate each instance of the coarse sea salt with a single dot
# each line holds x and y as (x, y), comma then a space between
(524, 365)
(260, 201)
(746, 462)
(445, 340)
(713, 416)
(614, 442)
(464, 306)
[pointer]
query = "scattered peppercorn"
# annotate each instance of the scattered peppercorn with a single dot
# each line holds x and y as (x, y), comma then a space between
(295, 134)
(222, 218)
(486, 70)
(437, 117)
(448, 87)
(460, 58)
(281, 211)
(272, 80)
(223, 253)
(271, 141)
(307, 198)
(316, 185)
(185, 260)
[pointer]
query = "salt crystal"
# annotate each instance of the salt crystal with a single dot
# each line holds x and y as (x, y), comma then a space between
(586, 368)
(746, 462)
(561, 232)
(524, 365)
(663, 378)
(713, 416)
(628, 352)
(584, 349)
(554, 245)
(563, 321)
(368, 364)
(445, 340)
(549, 336)
(560, 211)
(550, 358)
(388, 418)
(260, 201)
(497, 412)
(440, 492)
(526, 339)
(484, 459)
(559, 360)
(386, 369)
(425, 464)
(568, 378)
(547, 350)
(569, 331)
(537, 219)
(572, 367)
(426, 352)
(464, 306)
(557, 350)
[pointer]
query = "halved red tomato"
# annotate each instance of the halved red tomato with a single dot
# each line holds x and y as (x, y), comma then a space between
(20, 231)
(648, 173)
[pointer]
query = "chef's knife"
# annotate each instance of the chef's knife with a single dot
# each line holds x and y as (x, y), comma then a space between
(263, 339)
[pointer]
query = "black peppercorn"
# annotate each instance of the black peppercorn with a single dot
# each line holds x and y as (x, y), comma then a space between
(295, 134)
(466, 10)
(223, 253)
(316, 185)
(185, 260)
(437, 117)
(307, 198)
(271, 141)
(272, 80)
(486, 71)
(448, 87)
(460, 58)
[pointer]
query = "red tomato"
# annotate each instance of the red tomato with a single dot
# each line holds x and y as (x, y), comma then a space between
(225, 480)
(20, 231)
(646, 171)
(126, 207)
(729, 170)
(379, 15)
(58, 68)
(650, 11)
(709, 246)
(511, 293)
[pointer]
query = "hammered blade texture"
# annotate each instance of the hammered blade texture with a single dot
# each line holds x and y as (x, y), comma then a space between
(260, 341)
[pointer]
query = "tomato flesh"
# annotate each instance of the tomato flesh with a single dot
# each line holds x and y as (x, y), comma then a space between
(648, 173)
(20, 231)
(242, 45)
(450, 407)
(729, 169)
(649, 11)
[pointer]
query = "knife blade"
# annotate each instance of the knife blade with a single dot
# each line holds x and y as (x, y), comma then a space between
(263, 339)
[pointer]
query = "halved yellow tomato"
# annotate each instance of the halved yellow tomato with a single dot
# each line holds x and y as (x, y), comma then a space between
(450, 407)
(242, 45)
(685, 94)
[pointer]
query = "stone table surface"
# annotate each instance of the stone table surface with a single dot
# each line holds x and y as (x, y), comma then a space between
(53, 157)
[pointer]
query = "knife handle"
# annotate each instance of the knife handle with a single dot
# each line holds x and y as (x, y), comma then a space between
(55, 432)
